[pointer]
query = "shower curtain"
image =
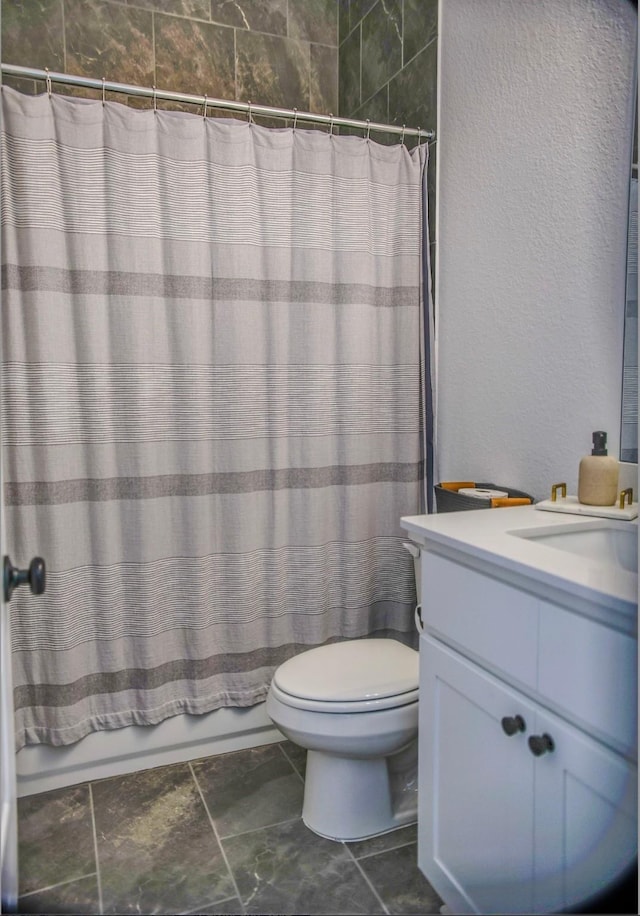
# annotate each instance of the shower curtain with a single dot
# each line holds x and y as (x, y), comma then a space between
(212, 339)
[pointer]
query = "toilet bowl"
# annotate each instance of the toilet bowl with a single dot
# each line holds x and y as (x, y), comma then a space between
(354, 706)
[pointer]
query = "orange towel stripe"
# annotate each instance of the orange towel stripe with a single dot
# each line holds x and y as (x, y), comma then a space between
(505, 501)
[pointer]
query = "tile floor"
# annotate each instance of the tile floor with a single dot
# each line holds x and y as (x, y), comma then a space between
(217, 835)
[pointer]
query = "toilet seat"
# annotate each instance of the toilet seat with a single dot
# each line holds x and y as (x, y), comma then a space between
(349, 706)
(349, 677)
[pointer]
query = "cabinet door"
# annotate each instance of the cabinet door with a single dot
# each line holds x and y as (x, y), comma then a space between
(476, 787)
(585, 817)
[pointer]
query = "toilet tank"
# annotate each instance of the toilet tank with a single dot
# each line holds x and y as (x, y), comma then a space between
(414, 550)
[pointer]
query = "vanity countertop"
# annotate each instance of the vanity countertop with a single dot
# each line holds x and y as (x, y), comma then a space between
(486, 535)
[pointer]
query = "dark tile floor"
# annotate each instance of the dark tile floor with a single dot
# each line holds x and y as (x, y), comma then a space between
(217, 835)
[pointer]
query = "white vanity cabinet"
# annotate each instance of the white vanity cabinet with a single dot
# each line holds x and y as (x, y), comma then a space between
(527, 743)
(475, 795)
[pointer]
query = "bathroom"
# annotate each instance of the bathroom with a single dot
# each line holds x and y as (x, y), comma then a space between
(520, 217)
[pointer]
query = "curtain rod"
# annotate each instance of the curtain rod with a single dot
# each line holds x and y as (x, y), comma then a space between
(247, 107)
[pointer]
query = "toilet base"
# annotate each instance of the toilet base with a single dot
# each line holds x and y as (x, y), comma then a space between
(349, 799)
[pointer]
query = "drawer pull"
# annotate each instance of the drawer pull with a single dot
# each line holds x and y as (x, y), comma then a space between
(511, 725)
(541, 744)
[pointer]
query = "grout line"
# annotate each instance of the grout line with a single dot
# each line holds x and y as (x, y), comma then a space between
(235, 64)
(216, 834)
(64, 37)
(308, 71)
(95, 849)
(52, 887)
(417, 54)
(366, 878)
(380, 852)
(291, 820)
(360, 66)
(153, 46)
(290, 761)
(396, 74)
(206, 906)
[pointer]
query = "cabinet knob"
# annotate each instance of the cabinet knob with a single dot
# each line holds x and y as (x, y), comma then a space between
(541, 744)
(511, 725)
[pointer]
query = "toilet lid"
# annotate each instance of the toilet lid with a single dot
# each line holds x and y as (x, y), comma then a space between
(359, 669)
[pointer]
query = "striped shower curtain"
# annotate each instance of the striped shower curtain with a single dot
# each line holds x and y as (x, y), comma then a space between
(211, 403)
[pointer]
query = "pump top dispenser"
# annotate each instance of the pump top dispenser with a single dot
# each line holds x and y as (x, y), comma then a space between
(598, 474)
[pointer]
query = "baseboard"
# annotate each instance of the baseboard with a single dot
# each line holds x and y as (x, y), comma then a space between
(127, 750)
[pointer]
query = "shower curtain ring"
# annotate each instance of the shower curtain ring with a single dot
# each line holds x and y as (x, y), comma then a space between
(368, 128)
(331, 125)
(249, 112)
(103, 93)
(402, 136)
(49, 86)
(155, 100)
(295, 117)
(204, 113)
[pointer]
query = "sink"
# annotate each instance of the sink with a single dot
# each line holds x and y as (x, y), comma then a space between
(611, 543)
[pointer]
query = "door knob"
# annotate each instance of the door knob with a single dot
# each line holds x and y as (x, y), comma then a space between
(541, 744)
(511, 725)
(35, 576)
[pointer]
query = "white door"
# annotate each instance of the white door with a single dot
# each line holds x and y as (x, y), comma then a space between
(11, 577)
(9, 840)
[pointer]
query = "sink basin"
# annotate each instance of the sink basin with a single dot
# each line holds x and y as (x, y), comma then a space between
(611, 543)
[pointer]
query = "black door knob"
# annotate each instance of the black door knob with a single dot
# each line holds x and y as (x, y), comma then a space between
(35, 576)
(541, 744)
(511, 725)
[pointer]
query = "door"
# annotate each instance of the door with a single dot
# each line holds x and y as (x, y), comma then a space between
(476, 786)
(9, 838)
(34, 576)
(586, 817)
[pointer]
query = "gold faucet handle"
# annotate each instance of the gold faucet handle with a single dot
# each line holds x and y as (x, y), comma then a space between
(554, 491)
(623, 496)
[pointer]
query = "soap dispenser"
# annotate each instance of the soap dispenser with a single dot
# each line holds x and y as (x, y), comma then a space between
(598, 474)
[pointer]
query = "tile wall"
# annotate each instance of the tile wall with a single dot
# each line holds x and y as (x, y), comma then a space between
(388, 69)
(388, 60)
(270, 52)
(365, 59)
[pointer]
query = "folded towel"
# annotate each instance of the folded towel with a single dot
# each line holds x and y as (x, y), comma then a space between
(509, 501)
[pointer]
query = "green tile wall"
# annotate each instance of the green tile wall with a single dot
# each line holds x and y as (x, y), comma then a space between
(389, 46)
(387, 62)
(270, 52)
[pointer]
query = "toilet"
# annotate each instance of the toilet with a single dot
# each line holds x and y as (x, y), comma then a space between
(354, 706)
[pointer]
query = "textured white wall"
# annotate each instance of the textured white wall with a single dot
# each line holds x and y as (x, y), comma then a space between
(534, 134)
